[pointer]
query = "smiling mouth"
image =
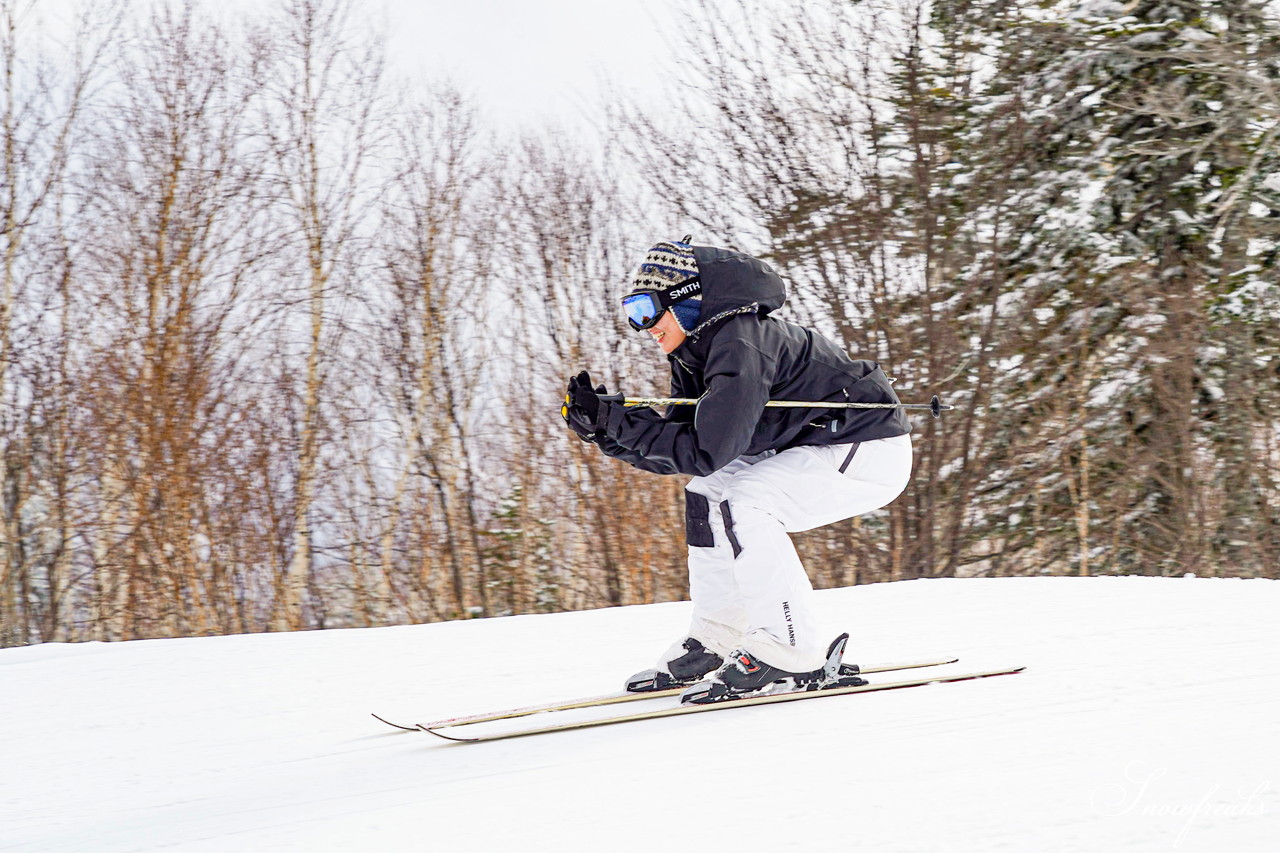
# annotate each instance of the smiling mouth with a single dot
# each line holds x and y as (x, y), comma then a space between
(658, 336)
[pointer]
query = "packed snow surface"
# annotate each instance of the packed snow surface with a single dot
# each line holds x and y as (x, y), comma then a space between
(1146, 720)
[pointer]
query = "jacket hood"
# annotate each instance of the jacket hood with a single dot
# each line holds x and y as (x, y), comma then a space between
(734, 283)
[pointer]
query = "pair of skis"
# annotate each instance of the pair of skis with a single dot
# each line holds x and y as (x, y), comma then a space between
(452, 728)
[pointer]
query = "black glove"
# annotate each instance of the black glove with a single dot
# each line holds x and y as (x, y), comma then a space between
(579, 428)
(584, 410)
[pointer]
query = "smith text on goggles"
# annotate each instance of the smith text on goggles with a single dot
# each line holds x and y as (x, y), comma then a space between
(644, 307)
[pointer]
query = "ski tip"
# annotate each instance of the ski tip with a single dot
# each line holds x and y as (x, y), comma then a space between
(395, 725)
(451, 738)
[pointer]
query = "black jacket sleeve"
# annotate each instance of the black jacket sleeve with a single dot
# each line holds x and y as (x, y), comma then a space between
(683, 386)
(612, 449)
(738, 376)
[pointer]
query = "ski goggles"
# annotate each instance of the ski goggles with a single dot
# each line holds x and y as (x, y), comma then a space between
(644, 308)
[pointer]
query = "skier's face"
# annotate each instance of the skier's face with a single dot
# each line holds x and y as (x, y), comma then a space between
(667, 332)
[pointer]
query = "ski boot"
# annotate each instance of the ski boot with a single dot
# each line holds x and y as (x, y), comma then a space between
(745, 675)
(681, 671)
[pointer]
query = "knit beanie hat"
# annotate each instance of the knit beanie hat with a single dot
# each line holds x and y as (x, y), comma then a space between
(670, 264)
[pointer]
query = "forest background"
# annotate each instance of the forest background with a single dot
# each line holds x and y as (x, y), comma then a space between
(283, 337)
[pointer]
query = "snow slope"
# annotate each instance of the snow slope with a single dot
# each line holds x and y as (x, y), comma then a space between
(1147, 720)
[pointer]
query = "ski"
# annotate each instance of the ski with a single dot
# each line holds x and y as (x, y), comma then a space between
(681, 710)
(616, 698)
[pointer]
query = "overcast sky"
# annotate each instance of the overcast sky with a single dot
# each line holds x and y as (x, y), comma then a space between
(523, 60)
(527, 60)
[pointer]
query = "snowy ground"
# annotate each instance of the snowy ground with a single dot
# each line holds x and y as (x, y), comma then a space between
(1146, 720)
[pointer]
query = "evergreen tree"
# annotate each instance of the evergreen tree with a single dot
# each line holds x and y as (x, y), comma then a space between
(1141, 274)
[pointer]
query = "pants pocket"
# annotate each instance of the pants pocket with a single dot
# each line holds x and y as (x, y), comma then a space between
(697, 521)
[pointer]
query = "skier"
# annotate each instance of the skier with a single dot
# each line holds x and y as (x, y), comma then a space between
(758, 473)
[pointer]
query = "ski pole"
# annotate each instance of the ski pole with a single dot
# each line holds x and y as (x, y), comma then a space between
(934, 405)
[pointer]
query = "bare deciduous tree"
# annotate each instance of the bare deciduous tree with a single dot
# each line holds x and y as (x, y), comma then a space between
(323, 125)
(43, 95)
(172, 238)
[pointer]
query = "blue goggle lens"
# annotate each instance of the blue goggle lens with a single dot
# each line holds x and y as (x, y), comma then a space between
(642, 309)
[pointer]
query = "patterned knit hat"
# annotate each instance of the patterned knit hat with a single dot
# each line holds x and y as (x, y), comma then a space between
(666, 265)
(670, 264)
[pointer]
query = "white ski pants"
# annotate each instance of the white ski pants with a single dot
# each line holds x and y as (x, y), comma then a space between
(748, 586)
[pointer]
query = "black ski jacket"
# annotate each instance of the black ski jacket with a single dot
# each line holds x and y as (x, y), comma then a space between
(737, 359)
